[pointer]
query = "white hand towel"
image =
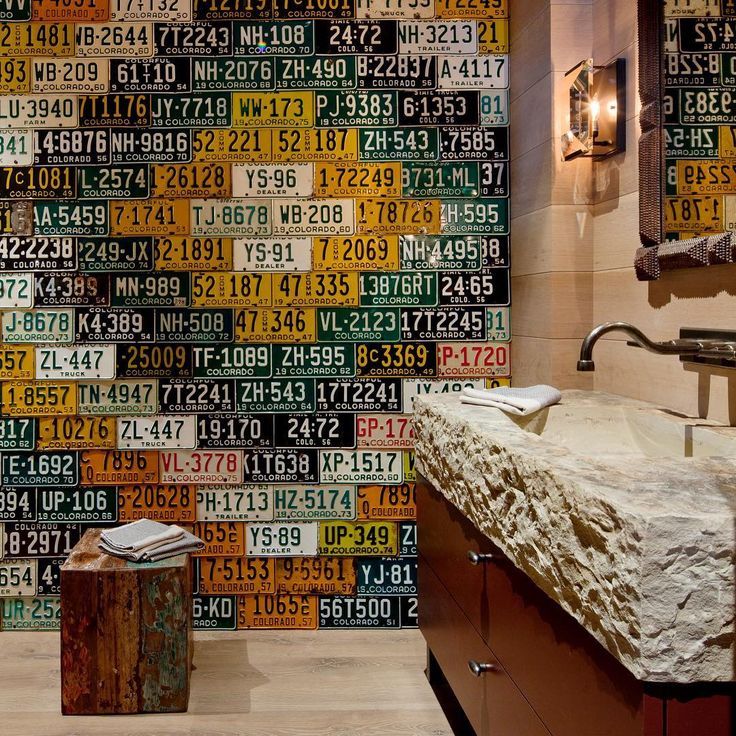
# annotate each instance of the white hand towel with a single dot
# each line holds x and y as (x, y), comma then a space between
(519, 401)
(139, 535)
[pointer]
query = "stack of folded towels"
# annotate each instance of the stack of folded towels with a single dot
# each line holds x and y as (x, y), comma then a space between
(148, 541)
(519, 401)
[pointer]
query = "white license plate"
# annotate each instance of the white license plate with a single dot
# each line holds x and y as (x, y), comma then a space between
(39, 325)
(314, 217)
(230, 217)
(272, 254)
(308, 502)
(202, 466)
(473, 359)
(18, 577)
(16, 148)
(16, 290)
(119, 40)
(118, 397)
(698, 8)
(361, 466)
(250, 502)
(499, 324)
(413, 387)
(75, 76)
(160, 432)
(77, 362)
(273, 180)
(282, 540)
(394, 9)
(171, 11)
(430, 37)
(494, 107)
(31, 111)
(385, 431)
(476, 72)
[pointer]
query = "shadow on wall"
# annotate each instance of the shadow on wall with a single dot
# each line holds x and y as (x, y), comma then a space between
(705, 374)
(692, 283)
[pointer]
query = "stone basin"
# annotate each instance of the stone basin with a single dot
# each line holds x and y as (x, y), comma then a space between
(622, 512)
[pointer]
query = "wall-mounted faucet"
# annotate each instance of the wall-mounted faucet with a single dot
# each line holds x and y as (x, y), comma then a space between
(702, 346)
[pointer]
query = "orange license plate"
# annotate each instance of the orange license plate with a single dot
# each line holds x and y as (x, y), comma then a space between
(118, 467)
(316, 575)
(387, 502)
(165, 502)
(221, 538)
(280, 611)
(230, 575)
(71, 12)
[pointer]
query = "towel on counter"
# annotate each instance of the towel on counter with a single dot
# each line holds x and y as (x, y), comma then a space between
(145, 540)
(519, 401)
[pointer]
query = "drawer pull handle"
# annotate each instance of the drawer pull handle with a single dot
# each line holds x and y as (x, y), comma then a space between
(480, 668)
(476, 558)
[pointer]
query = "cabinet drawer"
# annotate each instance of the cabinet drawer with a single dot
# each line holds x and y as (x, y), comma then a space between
(492, 702)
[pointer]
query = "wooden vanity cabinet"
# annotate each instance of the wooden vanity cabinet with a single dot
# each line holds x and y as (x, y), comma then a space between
(548, 675)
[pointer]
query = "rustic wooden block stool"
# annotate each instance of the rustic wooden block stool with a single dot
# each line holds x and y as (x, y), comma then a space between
(126, 633)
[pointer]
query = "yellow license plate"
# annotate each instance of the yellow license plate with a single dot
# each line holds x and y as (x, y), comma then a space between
(398, 216)
(15, 76)
(353, 538)
(232, 289)
(327, 144)
(317, 289)
(236, 575)
(493, 36)
(727, 141)
(410, 471)
(315, 575)
(357, 180)
(16, 363)
(194, 254)
(149, 217)
(360, 252)
(74, 11)
(706, 177)
(397, 503)
(498, 382)
(163, 502)
(36, 39)
(281, 611)
(76, 433)
(276, 325)
(221, 538)
(472, 9)
(192, 180)
(118, 467)
(38, 398)
(273, 109)
(235, 146)
(695, 214)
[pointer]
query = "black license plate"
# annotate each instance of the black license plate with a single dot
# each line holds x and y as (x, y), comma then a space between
(17, 504)
(40, 469)
(38, 182)
(397, 72)
(140, 361)
(120, 110)
(474, 143)
(199, 396)
(71, 147)
(37, 254)
(49, 575)
(439, 108)
(201, 39)
(443, 324)
(409, 612)
(114, 325)
(150, 75)
(214, 612)
(370, 612)
(40, 540)
(114, 182)
(115, 254)
(281, 466)
(235, 430)
(707, 34)
(356, 37)
(489, 287)
(151, 146)
(494, 178)
(231, 9)
(495, 250)
(78, 290)
(194, 325)
(386, 576)
(315, 430)
(150, 290)
(370, 395)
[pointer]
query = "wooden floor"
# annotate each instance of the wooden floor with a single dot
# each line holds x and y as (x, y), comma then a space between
(260, 683)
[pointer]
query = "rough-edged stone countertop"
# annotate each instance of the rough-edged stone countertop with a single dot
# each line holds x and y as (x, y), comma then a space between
(640, 550)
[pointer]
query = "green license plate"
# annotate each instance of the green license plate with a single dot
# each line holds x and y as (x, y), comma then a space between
(306, 502)
(71, 218)
(151, 290)
(78, 505)
(440, 253)
(114, 182)
(276, 395)
(115, 254)
(204, 110)
(696, 106)
(40, 469)
(476, 216)
(398, 289)
(318, 361)
(316, 72)
(355, 109)
(689, 141)
(358, 325)
(17, 434)
(214, 613)
(23, 614)
(440, 180)
(232, 74)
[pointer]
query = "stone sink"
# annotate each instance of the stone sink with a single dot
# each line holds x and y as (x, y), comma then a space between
(622, 512)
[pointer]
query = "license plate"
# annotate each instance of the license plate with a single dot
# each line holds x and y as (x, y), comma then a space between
(356, 253)
(314, 217)
(197, 395)
(458, 359)
(308, 9)
(310, 145)
(166, 503)
(475, 72)
(475, 216)
(76, 76)
(80, 505)
(15, 76)
(118, 467)
(398, 216)
(37, 254)
(314, 360)
(150, 75)
(273, 180)
(276, 395)
(116, 181)
(392, 359)
(221, 538)
(489, 287)
(234, 289)
(114, 40)
(149, 217)
(296, 502)
(236, 575)
(316, 289)
(281, 611)
(316, 72)
(315, 575)
(97, 325)
(15, 10)
(282, 540)
(38, 469)
(410, 471)
(30, 614)
(16, 148)
(41, 182)
(493, 36)
(408, 539)
(191, 180)
(151, 146)
(472, 9)
(118, 397)
(398, 289)
(18, 578)
(50, 10)
(716, 34)
(272, 254)
(324, 430)
(16, 434)
(118, 110)
(697, 106)
(371, 612)
(438, 108)
(71, 218)
(273, 109)
(235, 75)
(37, 39)
(38, 398)
(354, 180)
(706, 177)
(397, 72)
(235, 430)
(701, 8)
(157, 432)
(438, 38)
(440, 253)
(251, 502)
(230, 216)
(355, 109)
(202, 110)
(691, 70)
(270, 465)
(396, 502)
(499, 324)
(473, 143)
(150, 290)
(179, 11)
(75, 433)
(343, 538)
(17, 504)
(75, 148)
(386, 577)
(232, 145)
(16, 290)
(194, 325)
(697, 214)
(235, 9)
(75, 290)
(358, 325)
(399, 144)
(219, 361)
(193, 254)
(377, 395)
(385, 431)
(360, 466)
(441, 180)
(728, 70)
(202, 466)
(48, 111)
(197, 39)
(284, 38)
(394, 9)
(115, 254)
(375, 37)
(288, 325)
(77, 362)
(497, 382)
(214, 613)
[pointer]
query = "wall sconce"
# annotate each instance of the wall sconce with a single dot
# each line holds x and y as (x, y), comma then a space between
(597, 126)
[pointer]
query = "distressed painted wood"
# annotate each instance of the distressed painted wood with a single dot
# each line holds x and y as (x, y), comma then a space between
(126, 636)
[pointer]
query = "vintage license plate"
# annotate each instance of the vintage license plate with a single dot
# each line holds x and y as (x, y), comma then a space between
(16, 147)
(316, 575)
(396, 502)
(72, 290)
(202, 466)
(272, 254)
(367, 394)
(499, 324)
(75, 433)
(349, 539)
(193, 254)
(51, 10)
(691, 70)
(440, 253)
(47, 325)
(362, 252)
(314, 217)
(15, 76)
(230, 216)
(413, 388)
(38, 182)
(490, 71)
(15, 10)
(122, 110)
(37, 39)
(398, 289)
(314, 360)
(358, 180)
(17, 434)
(151, 146)
(276, 395)
(472, 9)
(284, 325)
(293, 502)
(438, 108)
(251, 502)
(37, 254)
(220, 361)
(236, 575)
(316, 289)
(438, 38)
(280, 611)
(79, 505)
(232, 289)
(16, 290)
(119, 39)
(355, 109)
(489, 287)
(150, 290)
(370, 612)
(473, 143)
(235, 430)
(118, 467)
(194, 325)
(409, 606)
(118, 397)
(475, 216)
(76, 362)
(191, 180)
(75, 148)
(495, 251)
(728, 70)
(167, 503)
(49, 575)
(700, 8)
(39, 469)
(232, 145)
(214, 613)
(235, 74)
(317, 72)
(324, 430)
(115, 254)
(706, 177)
(440, 180)
(494, 107)
(408, 539)
(391, 359)
(234, 9)
(394, 8)
(493, 36)
(172, 10)
(698, 106)
(30, 111)
(97, 325)
(71, 218)
(360, 466)
(270, 465)
(358, 325)
(200, 39)
(312, 9)
(38, 398)
(458, 359)
(18, 578)
(410, 471)
(156, 432)
(30, 614)
(696, 214)
(273, 180)
(332, 144)
(200, 395)
(375, 37)
(385, 431)
(497, 382)
(116, 181)
(149, 217)
(397, 72)
(150, 75)
(386, 577)
(282, 540)
(221, 538)
(397, 216)
(699, 34)
(273, 109)
(284, 38)
(202, 110)
(17, 504)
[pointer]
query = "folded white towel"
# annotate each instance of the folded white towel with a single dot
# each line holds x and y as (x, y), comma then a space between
(519, 401)
(140, 535)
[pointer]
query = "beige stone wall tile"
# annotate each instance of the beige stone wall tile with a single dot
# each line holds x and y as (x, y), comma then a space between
(536, 360)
